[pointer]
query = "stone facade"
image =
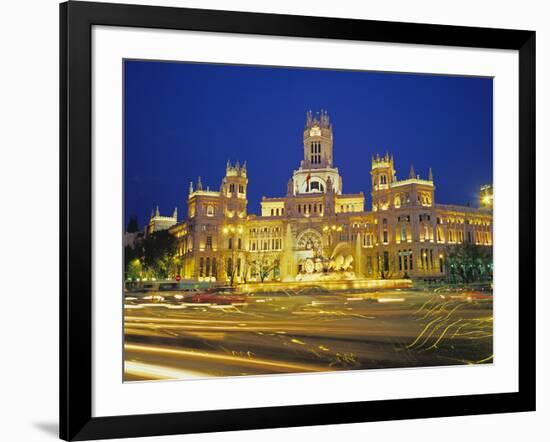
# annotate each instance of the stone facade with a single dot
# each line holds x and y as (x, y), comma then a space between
(316, 231)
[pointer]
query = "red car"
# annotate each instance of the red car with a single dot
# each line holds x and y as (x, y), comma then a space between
(215, 297)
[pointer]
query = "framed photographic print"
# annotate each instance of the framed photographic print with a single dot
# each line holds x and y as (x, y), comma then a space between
(272, 220)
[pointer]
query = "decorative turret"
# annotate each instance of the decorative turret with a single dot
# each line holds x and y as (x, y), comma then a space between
(290, 187)
(233, 187)
(382, 171)
(158, 222)
(199, 184)
(190, 187)
(236, 170)
(430, 175)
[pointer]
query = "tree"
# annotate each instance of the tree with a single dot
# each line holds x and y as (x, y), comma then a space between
(262, 264)
(469, 263)
(159, 253)
(134, 269)
(132, 226)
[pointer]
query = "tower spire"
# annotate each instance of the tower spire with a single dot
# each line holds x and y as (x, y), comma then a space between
(430, 175)
(199, 184)
(412, 174)
(157, 212)
(175, 214)
(190, 187)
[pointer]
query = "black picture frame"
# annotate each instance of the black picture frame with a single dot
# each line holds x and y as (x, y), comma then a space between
(76, 21)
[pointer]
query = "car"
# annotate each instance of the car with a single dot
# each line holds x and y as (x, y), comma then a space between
(216, 296)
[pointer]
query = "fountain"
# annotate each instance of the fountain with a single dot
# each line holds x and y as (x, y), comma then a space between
(288, 257)
(358, 257)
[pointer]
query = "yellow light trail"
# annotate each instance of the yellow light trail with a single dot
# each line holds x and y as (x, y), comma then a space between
(222, 358)
(159, 372)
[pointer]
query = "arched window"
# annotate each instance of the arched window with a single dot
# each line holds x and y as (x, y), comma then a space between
(383, 179)
(210, 210)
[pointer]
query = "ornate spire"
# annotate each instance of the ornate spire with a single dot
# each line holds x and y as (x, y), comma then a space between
(157, 212)
(175, 214)
(309, 119)
(330, 187)
(430, 175)
(199, 184)
(412, 174)
(190, 187)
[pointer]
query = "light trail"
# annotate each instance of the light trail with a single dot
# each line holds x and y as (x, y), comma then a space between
(280, 365)
(159, 372)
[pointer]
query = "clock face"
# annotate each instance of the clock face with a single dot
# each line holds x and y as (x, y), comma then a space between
(315, 132)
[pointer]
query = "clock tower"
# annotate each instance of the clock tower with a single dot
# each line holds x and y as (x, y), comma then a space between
(317, 166)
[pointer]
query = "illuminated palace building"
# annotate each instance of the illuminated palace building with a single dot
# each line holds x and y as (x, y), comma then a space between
(316, 231)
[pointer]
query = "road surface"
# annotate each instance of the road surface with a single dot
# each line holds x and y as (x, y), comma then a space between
(308, 331)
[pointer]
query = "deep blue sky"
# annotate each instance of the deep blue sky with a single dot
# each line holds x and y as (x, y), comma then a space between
(183, 120)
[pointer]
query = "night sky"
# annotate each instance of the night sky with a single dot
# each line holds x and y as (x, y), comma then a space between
(183, 120)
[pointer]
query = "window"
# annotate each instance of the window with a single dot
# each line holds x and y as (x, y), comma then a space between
(403, 233)
(208, 243)
(369, 265)
(230, 243)
(201, 267)
(207, 266)
(386, 261)
(214, 268)
(239, 243)
(385, 236)
(210, 210)
(232, 188)
(315, 152)
(383, 179)
(241, 188)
